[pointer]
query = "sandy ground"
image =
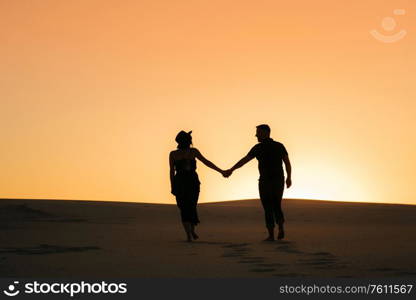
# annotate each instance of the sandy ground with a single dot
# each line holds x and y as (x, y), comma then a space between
(53, 238)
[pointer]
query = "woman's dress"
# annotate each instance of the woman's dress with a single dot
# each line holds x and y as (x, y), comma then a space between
(186, 189)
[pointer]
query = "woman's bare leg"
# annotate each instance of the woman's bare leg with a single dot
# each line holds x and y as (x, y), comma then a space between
(188, 231)
(281, 233)
(194, 235)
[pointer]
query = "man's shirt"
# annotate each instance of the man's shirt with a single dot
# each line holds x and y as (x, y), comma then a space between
(270, 154)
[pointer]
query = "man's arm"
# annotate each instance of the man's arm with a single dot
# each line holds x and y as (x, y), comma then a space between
(239, 164)
(288, 170)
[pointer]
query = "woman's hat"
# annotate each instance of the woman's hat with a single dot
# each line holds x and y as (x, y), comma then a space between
(183, 137)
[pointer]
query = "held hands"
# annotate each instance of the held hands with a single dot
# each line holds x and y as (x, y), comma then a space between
(226, 173)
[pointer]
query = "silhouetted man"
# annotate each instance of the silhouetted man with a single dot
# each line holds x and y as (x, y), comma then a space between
(270, 155)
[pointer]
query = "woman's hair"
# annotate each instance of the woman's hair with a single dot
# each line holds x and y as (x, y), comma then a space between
(184, 139)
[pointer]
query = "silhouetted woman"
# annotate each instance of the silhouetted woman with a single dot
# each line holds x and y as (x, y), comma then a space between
(185, 182)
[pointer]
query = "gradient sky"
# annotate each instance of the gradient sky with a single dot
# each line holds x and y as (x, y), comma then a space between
(93, 93)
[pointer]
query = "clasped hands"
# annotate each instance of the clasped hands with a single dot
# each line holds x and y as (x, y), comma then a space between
(226, 173)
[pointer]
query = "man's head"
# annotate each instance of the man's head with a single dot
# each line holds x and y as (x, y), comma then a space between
(262, 132)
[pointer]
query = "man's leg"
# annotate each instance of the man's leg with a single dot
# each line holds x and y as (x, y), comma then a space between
(278, 212)
(268, 214)
(267, 203)
(272, 191)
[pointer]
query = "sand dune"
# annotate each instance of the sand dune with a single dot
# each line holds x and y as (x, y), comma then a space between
(54, 238)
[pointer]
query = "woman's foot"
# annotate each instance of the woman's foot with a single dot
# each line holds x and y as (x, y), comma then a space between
(281, 234)
(194, 235)
(269, 239)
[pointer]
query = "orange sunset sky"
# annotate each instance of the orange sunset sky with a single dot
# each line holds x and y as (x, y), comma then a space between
(93, 93)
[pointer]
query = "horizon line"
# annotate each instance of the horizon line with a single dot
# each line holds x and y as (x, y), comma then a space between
(230, 200)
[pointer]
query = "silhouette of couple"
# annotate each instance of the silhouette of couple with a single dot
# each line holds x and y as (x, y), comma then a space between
(269, 153)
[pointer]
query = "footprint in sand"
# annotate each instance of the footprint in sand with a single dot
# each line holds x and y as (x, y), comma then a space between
(231, 255)
(235, 250)
(254, 257)
(256, 263)
(251, 259)
(317, 262)
(322, 254)
(240, 250)
(236, 246)
(271, 265)
(321, 260)
(288, 247)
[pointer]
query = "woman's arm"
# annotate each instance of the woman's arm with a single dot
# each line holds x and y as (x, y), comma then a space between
(206, 162)
(171, 171)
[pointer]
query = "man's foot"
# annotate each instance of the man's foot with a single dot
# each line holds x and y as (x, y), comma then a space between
(194, 236)
(269, 239)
